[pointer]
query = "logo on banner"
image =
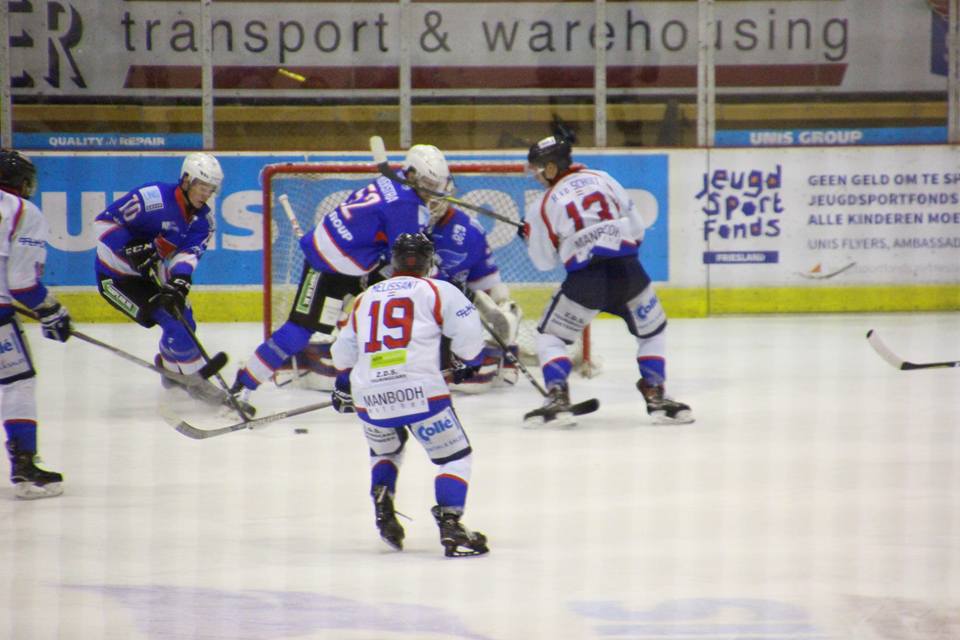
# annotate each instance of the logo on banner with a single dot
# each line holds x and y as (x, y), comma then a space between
(63, 29)
(738, 206)
(939, 64)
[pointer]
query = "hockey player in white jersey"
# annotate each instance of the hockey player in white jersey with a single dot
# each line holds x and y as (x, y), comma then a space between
(23, 254)
(587, 222)
(389, 353)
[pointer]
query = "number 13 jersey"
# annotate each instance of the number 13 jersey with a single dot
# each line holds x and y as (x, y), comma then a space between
(587, 214)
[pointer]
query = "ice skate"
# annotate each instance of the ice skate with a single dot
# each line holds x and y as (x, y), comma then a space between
(30, 482)
(663, 410)
(391, 531)
(457, 540)
(555, 412)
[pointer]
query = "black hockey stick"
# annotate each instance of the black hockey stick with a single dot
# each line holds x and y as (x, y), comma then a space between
(217, 362)
(191, 431)
(898, 363)
(577, 409)
(240, 408)
(379, 151)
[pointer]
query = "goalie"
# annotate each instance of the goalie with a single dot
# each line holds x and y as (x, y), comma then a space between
(464, 258)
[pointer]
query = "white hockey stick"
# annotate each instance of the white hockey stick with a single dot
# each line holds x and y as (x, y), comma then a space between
(379, 151)
(298, 232)
(898, 363)
(196, 433)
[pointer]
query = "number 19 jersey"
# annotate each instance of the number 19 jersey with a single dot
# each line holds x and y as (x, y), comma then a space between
(392, 342)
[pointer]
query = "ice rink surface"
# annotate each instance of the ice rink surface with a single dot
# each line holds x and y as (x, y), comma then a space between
(816, 497)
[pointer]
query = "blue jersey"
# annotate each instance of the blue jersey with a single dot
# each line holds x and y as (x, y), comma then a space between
(463, 255)
(356, 236)
(156, 211)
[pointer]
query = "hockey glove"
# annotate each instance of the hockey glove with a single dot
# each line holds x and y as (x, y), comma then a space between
(524, 231)
(341, 398)
(463, 371)
(173, 295)
(141, 254)
(54, 320)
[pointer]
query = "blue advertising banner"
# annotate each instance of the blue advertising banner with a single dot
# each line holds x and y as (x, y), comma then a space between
(74, 189)
(108, 141)
(830, 137)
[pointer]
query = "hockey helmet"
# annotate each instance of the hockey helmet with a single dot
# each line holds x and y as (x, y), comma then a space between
(204, 167)
(17, 173)
(412, 254)
(427, 169)
(554, 149)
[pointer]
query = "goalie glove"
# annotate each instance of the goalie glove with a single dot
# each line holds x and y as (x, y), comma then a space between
(340, 398)
(54, 320)
(141, 254)
(173, 295)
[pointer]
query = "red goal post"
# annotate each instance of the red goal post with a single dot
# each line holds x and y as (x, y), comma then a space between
(313, 189)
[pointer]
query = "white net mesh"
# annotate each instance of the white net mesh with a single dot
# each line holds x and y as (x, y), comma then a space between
(315, 189)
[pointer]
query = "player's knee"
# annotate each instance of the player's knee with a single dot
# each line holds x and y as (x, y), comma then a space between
(646, 315)
(19, 397)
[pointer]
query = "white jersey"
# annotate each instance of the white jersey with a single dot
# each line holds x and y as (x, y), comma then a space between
(586, 214)
(392, 342)
(23, 246)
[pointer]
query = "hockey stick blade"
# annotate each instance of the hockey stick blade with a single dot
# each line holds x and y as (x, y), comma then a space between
(217, 362)
(379, 152)
(187, 429)
(898, 363)
(587, 406)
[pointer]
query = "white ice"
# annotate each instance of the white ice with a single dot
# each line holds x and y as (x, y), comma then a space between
(816, 497)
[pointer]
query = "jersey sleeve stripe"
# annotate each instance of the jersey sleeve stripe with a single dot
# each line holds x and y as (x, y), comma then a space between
(17, 217)
(437, 308)
(546, 221)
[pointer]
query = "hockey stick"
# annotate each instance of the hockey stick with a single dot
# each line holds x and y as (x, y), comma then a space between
(898, 363)
(191, 431)
(182, 379)
(298, 232)
(175, 311)
(578, 409)
(379, 151)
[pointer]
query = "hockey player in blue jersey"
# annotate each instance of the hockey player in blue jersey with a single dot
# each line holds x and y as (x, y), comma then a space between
(343, 255)
(149, 243)
(23, 247)
(464, 258)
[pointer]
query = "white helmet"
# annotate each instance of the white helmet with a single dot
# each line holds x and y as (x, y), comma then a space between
(203, 167)
(431, 167)
(430, 171)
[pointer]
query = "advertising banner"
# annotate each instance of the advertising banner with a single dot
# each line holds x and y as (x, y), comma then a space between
(75, 188)
(797, 217)
(152, 47)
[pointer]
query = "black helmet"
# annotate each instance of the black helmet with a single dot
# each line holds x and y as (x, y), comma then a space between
(412, 254)
(554, 149)
(17, 173)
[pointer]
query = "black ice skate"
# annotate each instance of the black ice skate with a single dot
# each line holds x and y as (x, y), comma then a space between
(663, 410)
(30, 482)
(457, 540)
(391, 531)
(555, 412)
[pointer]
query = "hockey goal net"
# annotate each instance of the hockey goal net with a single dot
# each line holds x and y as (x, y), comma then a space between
(316, 188)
